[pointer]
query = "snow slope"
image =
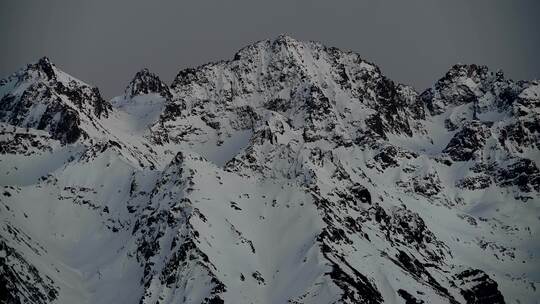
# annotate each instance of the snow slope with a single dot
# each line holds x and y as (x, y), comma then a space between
(292, 173)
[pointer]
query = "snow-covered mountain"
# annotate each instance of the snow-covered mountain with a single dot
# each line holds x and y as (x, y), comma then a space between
(293, 173)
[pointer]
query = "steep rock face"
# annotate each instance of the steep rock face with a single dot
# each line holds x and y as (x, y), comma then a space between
(324, 91)
(524, 132)
(20, 281)
(471, 84)
(468, 141)
(44, 98)
(146, 82)
(523, 173)
(168, 244)
(294, 172)
(493, 122)
(477, 287)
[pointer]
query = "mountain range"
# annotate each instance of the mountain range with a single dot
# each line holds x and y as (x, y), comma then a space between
(292, 173)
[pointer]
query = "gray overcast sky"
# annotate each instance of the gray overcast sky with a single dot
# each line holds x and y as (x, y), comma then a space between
(105, 42)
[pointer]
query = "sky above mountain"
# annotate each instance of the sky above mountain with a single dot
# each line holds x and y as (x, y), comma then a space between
(106, 42)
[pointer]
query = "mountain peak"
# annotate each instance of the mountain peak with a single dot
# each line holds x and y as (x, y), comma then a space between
(45, 62)
(44, 67)
(143, 72)
(285, 38)
(146, 82)
(43, 97)
(467, 70)
(281, 44)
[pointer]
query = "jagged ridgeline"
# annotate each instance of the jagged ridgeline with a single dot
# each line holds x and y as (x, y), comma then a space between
(293, 173)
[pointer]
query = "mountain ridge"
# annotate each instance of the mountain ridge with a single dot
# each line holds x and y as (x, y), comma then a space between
(293, 172)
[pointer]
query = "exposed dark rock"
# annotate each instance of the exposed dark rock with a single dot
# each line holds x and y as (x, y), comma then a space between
(467, 142)
(418, 270)
(392, 156)
(361, 194)
(20, 281)
(428, 185)
(146, 82)
(356, 288)
(409, 299)
(478, 288)
(43, 106)
(523, 173)
(450, 90)
(474, 182)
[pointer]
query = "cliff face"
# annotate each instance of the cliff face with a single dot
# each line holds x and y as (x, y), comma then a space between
(292, 173)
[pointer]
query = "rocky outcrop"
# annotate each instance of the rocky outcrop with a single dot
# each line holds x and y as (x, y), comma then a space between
(51, 100)
(477, 287)
(468, 141)
(146, 82)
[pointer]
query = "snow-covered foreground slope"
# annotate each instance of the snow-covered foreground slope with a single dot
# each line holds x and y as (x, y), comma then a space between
(294, 173)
